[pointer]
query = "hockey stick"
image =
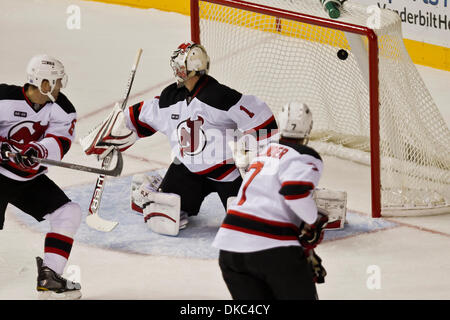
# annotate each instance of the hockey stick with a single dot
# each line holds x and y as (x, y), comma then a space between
(93, 219)
(115, 172)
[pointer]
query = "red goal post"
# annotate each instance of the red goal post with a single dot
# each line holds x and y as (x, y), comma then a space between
(232, 12)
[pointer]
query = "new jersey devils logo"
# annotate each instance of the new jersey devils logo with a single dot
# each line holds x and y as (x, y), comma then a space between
(191, 137)
(26, 132)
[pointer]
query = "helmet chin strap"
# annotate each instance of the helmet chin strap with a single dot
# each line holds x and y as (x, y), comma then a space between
(48, 94)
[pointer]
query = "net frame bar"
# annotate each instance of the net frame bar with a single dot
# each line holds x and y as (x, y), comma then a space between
(372, 39)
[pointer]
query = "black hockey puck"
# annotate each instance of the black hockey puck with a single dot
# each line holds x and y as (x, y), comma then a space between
(342, 54)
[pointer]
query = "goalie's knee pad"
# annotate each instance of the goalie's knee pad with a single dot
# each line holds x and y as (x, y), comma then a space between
(162, 214)
(65, 220)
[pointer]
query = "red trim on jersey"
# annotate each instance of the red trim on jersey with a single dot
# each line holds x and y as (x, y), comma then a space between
(258, 233)
(266, 221)
(229, 161)
(139, 123)
(226, 173)
(26, 98)
(268, 135)
(57, 138)
(200, 87)
(261, 126)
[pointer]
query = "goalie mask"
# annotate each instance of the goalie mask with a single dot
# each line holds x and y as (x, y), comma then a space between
(44, 67)
(295, 121)
(188, 60)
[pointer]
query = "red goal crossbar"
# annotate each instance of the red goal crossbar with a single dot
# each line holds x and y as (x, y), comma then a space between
(332, 24)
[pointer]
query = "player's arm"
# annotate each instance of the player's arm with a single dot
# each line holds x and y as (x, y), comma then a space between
(254, 117)
(299, 176)
(122, 128)
(143, 117)
(257, 124)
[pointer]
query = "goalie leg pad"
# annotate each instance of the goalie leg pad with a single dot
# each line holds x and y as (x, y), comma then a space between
(141, 187)
(334, 203)
(162, 215)
(113, 131)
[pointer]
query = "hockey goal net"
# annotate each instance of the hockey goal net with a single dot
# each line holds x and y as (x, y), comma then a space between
(369, 103)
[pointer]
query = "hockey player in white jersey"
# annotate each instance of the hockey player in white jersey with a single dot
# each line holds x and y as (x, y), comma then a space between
(198, 115)
(270, 229)
(37, 120)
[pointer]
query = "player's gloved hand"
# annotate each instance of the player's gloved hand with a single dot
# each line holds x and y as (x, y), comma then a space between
(312, 235)
(4, 147)
(315, 264)
(33, 149)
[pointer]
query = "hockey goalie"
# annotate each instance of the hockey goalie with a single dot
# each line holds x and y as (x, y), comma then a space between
(161, 211)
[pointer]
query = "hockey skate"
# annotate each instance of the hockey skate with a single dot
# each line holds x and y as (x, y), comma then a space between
(52, 286)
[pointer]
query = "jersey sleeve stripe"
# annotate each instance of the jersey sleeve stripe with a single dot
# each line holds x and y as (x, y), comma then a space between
(220, 170)
(63, 143)
(265, 130)
(292, 190)
(142, 129)
(268, 124)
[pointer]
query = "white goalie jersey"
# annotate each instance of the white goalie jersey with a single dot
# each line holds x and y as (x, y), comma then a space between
(200, 123)
(276, 196)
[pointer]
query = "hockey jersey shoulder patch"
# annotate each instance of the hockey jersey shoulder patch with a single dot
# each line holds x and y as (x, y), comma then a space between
(65, 103)
(11, 92)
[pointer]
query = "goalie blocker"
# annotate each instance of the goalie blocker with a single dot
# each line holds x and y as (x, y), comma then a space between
(334, 204)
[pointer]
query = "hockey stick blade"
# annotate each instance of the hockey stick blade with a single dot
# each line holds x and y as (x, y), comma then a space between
(115, 172)
(96, 222)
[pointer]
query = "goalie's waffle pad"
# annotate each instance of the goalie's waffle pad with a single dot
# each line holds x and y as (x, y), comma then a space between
(334, 203)
(112, 132)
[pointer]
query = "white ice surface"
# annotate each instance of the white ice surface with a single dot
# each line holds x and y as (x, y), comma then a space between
(413, 257)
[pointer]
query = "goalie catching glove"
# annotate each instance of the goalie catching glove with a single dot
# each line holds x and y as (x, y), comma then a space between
(112, 132)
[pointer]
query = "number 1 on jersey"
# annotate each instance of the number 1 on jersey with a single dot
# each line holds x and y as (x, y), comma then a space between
(257, 166)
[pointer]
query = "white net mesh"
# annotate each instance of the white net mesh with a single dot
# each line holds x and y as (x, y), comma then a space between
(284, 60)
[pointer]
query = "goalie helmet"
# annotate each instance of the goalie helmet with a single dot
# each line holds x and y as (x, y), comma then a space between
(295, 120)
(43, 67)
(188, 60)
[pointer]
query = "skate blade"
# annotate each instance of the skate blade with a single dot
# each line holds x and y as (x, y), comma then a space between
(51, 295)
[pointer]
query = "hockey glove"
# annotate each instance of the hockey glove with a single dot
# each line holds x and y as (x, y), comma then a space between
(4, 147)
(312, 235)
(25, 157)
(315, 263)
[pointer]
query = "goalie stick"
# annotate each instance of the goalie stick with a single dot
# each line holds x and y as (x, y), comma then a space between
(93, 219)
(115, 172)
